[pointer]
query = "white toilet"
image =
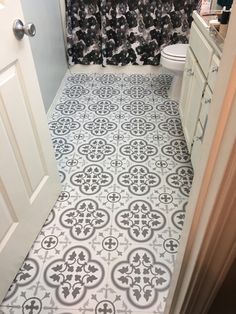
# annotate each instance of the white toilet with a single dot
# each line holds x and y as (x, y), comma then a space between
(173, 58)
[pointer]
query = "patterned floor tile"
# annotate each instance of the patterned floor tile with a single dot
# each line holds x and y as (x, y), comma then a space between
(110, 242)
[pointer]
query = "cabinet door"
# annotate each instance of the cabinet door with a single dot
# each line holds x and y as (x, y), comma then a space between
(206, 101)
(201, 48)
(186, 83)
(213, 71)
(197, 149)
(193, 103)
(197, 146)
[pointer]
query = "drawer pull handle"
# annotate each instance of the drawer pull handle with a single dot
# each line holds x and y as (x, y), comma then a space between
(190, 72)
(214, 69)
(208, 101)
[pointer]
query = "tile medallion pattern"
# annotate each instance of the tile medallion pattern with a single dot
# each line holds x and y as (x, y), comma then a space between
(84, 219)
(96, 149)
(109, 244)
(139, 180)
(103, 107)
(140, 220)
(91, 179)
(138, 150)
(100, 126)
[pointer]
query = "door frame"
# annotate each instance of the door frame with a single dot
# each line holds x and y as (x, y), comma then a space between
(207, 247)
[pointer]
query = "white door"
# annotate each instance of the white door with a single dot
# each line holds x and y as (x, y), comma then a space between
(29, 182)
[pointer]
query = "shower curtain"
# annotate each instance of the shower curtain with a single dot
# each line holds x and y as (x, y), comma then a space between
(120, 32)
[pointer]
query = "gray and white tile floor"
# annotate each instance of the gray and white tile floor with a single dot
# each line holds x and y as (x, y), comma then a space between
(110, 242)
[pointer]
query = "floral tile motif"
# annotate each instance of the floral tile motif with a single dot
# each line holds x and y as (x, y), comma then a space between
(84, 219)
(27, 273)
(138, 150)
(75, 91)
(109, 244)
(106, 92)
(140, 220)
(181, 179)
(103, 107)
(72, 275)
(96, 149)
(63, 126)
(137, 92)
(91, 179)
(169, 107)
(137, 79)
(142, 277)
(139, 180)
(172, 126)
(79, 78)
(137, 107)
(61, 147)
(178, 217)
(138, 126)
(100, 126)
(69, 107)
(108, 79)
(178, 150)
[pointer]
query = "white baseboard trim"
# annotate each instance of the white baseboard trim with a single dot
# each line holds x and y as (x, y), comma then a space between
(127, 69)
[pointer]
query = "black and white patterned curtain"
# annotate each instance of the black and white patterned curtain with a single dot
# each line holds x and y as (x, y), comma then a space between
(120, 32)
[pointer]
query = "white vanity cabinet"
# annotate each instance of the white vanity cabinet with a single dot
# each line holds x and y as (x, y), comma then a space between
(199, 77)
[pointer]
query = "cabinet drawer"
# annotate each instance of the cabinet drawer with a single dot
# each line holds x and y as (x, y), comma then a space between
(201, 48)
(213, 71)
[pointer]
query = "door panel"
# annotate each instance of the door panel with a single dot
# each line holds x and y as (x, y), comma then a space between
(15, 107)
(29, 181)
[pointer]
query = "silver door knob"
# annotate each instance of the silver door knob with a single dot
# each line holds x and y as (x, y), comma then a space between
(20, 29)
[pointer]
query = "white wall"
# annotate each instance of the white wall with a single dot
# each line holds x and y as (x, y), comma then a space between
(48, 45)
